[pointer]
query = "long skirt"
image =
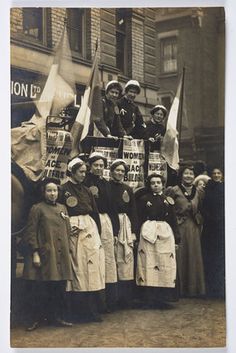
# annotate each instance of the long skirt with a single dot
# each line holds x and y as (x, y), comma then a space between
(87, 257)
(107, 239)
(189, 260)
(156, 261)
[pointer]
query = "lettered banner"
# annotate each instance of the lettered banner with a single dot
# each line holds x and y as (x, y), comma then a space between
(59, 144)
(134, 155)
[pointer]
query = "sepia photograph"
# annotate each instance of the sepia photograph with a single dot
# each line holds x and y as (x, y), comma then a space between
(117, 177)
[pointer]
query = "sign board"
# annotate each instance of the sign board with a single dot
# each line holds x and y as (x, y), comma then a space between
(134, 155)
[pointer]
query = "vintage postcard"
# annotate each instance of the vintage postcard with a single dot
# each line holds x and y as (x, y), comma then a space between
(117, 171)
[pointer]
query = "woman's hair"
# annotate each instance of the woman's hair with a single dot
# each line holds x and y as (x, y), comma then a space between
(115, 164)
(74, 164)
(182, 170)
(93, 159)
(77, 166)
(220, 169)
(151, 176)
(47, 181)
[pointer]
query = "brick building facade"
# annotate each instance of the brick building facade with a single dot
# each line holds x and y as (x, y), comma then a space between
(147, 44)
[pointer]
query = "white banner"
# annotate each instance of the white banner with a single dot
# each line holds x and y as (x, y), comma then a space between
(59, 144)
(134, 155)
(110, 153)
(157, 164)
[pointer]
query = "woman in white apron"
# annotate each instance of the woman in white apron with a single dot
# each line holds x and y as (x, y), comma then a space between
(124, 201)
(101, 190)
(156, 260)
(87, 254)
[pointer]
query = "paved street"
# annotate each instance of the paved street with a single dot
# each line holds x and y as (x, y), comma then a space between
(192, 323)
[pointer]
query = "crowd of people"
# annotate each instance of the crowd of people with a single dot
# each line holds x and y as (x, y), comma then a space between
(93, 245)
(96, 244)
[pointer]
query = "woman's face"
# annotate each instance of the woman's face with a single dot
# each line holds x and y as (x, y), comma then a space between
(156, 185)
(131, 93)
(80, 174)
(188, 177)
(51, 192)
(97, 167)
(201, 185)
(118, 173)
(217, 175)
(113, 94)
(159, 116)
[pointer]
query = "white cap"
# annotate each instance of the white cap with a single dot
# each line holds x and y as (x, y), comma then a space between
(118, 162)
(203, 177)
(73, 162)
(94, 156)
(157, 107)
(113, 83)
(133, 83)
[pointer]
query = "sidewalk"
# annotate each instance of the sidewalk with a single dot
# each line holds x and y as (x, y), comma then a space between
(192, 323)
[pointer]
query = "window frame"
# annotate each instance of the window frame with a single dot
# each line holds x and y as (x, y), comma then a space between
(172, 58)
(44, 27)
(122, 32)
(77, 53)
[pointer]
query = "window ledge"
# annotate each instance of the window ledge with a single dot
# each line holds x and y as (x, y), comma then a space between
(169, 74)
(31, 44)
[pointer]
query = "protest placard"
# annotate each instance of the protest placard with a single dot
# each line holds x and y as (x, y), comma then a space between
(134, 155)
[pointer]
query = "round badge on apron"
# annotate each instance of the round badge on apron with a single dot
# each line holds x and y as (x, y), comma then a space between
(94, 190)
(71, 201)
(170, 200)
(125, 197)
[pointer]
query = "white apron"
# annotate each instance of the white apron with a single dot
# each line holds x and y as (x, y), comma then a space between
(87, 256)
(124, 250)
(107, 240)
(156, 261)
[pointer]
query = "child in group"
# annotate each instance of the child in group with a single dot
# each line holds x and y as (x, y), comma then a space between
(47, 264)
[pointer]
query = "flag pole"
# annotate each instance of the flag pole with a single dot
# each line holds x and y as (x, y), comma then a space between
(181, 106)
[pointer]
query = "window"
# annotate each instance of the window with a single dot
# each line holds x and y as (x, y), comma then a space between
(34, 23)
(121, 40)
(169, 54)
(77, 30)
(166, 101)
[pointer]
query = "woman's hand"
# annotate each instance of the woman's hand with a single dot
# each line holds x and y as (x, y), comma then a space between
(36, 259)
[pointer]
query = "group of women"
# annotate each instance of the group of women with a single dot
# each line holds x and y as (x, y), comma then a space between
(96, 242)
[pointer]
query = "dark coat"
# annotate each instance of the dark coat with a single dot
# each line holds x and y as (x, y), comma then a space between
(111, 117)
(213, 238)
(124, 202)
(131, 118)
(156, 131)
(103, 198)
(189, 255)
(48, 232)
